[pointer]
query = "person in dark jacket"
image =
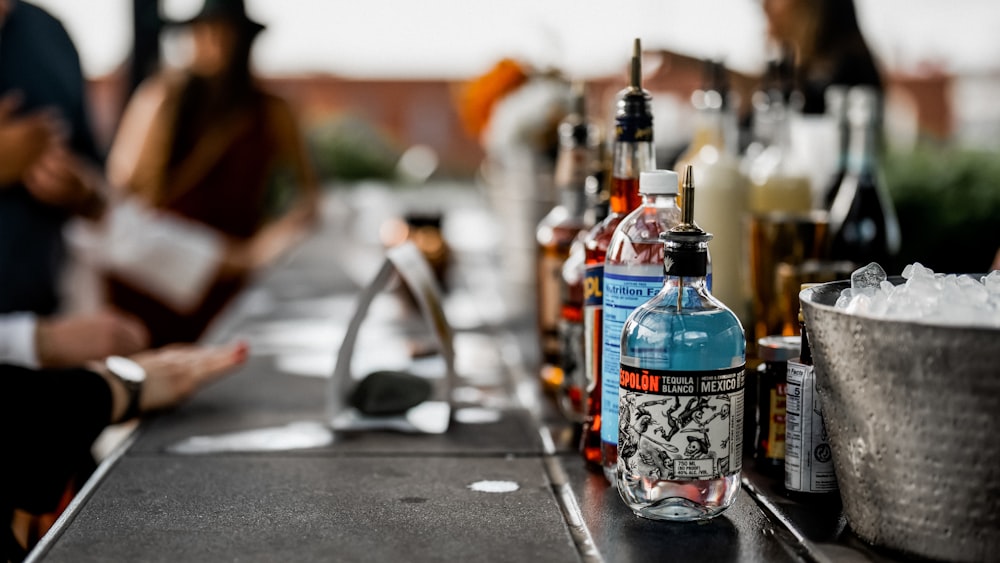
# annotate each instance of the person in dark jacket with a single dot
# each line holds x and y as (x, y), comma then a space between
(49, 419)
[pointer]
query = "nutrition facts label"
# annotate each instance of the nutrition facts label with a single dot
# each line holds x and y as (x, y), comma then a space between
(808, 458)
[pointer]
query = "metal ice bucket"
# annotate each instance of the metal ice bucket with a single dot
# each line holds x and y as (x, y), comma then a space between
(913, 415)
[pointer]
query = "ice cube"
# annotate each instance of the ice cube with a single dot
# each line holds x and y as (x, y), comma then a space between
(916, 269)
(868, 276)
(844, 299)
(992, 283)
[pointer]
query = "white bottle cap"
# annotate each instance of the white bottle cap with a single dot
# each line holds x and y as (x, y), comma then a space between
(658, 182)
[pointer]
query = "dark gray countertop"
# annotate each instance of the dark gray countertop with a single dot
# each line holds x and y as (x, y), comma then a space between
(382, 496)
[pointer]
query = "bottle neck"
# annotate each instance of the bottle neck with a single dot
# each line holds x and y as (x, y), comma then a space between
(630, 159)
(862, 155)
(805, 353)
(659, 200)
(686, 260)
(633, 151)
(574, 201)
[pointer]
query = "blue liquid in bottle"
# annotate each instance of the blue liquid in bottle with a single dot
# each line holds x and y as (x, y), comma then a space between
(683, 355)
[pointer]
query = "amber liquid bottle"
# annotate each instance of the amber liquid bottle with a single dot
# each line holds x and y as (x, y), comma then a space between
(575, 389)
(632, 153)
(578, 150)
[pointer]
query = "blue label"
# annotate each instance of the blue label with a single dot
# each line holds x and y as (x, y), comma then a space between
(593, 282)
(622, 294)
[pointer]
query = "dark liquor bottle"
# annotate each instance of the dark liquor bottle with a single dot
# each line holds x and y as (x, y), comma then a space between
(836, 110)
(578, 148)
(863, 222)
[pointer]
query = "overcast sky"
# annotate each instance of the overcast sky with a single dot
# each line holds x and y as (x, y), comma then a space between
(460, 38)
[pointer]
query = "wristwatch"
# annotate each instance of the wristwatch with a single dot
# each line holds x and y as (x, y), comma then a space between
(132, 375)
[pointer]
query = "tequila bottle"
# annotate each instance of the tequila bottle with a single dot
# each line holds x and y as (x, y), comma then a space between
(683, 356)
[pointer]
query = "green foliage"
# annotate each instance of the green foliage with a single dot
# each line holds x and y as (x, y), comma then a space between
(948, 204)
(350, 148)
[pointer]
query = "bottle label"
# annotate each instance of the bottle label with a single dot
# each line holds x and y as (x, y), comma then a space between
(776, 423)
(549, 304)
(622, 294)
(593, 317)
(634, 129)
(808, 458)
(593, 286)
(680, 425)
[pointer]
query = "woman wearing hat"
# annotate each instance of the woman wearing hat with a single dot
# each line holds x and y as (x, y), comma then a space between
(206, 143)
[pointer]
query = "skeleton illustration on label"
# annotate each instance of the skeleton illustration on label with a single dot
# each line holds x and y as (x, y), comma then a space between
(679, 425)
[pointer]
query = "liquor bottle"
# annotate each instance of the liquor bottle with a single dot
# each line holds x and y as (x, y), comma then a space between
(722, 188)
(863, 222)
(779, 179)
(681, 389)
(770, 390)
(809, 471)
(633, 273)
(590, 437)
(836, 110)
(632, 153)
(573, 393)
(578, 144)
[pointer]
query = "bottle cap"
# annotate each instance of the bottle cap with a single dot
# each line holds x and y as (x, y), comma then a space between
(658, 182)
(778, 348)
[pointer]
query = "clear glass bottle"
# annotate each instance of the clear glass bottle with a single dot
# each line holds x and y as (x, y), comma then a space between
(579, 140)
(863, 224)
(632, 152)
(681, 389)
(779, 178)
(633, 273)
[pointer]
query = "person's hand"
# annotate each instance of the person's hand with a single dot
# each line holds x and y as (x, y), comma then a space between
(76, 339)
(174, 373)
(61, 179)
(23, 139)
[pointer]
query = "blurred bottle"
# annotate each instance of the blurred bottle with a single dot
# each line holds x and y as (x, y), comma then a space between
(632, 153)
(683, 357)
(578, 148)
(633, 274)
(575, 273)
(836, 110)
(575, 386)
(722, 187)
(863, 220)
(776, 89)
(768, 443)
(779, 179)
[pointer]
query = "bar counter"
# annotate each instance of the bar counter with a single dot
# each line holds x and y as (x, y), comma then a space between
(249, 471)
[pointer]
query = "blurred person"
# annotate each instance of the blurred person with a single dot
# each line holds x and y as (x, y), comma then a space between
(49, 173)
(207, 144)
(49, 161)
(50, 418)
(827, 46)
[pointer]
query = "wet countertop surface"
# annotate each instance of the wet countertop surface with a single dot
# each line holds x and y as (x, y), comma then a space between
(248, 470)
